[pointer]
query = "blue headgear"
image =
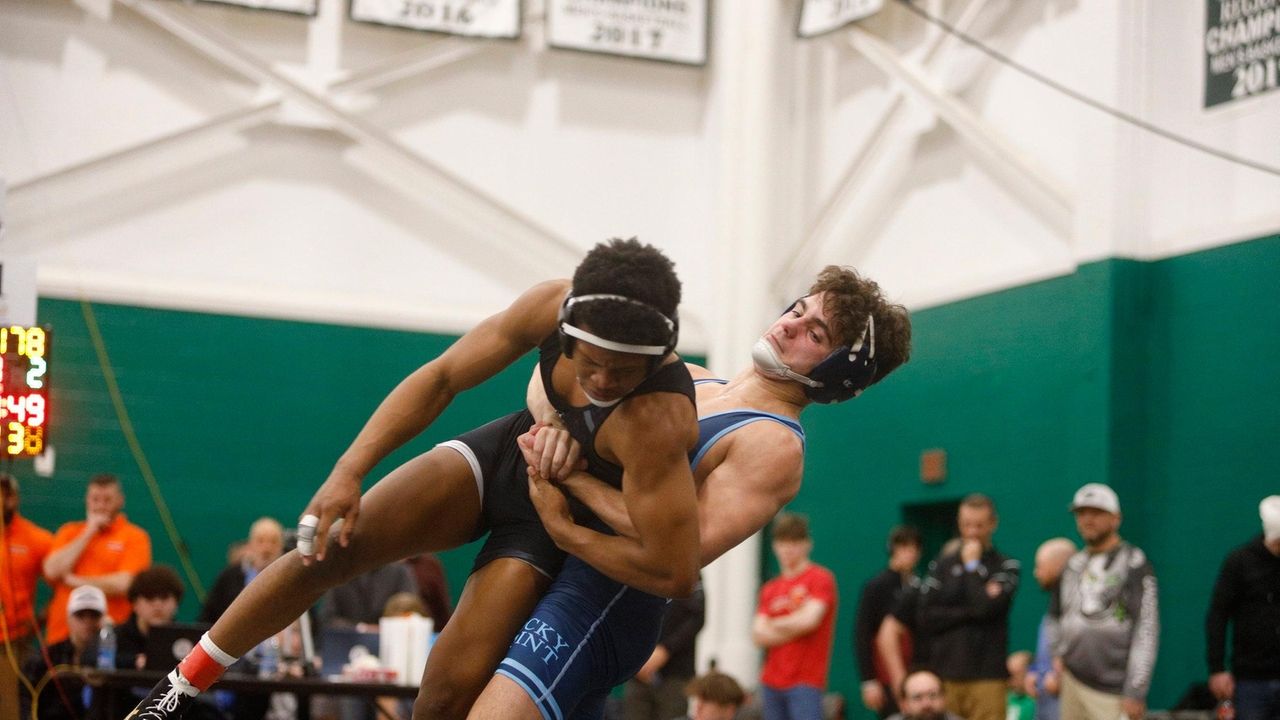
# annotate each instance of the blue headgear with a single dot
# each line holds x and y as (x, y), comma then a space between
(842, 375)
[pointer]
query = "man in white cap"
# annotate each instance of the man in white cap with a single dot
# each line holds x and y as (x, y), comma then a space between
(86, 606)
(1104, 622)
(1245, 595)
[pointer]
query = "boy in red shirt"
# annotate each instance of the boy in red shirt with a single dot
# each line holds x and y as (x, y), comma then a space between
(795, 623)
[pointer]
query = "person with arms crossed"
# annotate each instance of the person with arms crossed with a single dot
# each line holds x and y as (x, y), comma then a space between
(105, 550)
(794, 623)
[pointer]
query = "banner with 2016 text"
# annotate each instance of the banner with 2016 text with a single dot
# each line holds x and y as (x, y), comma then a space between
(1241, 49)
(472, 18)
(670, 30)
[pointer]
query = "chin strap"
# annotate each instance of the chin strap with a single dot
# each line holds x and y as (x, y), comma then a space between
(768, 362)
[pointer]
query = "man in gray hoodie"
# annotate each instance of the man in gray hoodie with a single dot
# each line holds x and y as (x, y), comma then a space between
(1103, 622)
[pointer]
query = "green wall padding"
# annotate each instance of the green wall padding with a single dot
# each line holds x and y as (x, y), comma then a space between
(1151, 376)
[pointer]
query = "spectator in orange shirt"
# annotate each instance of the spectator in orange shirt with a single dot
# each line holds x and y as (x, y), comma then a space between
(23, 547)
(105, 550)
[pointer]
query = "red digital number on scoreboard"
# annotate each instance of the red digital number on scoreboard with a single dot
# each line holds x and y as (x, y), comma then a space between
(24, 390)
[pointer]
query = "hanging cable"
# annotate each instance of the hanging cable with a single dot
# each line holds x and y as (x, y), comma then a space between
(126, 426)
(1080, 97)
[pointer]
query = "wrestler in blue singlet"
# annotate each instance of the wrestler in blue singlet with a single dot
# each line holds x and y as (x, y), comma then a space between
(590, 633)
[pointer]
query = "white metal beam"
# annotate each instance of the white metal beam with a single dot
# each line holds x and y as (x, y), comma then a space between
(540, 250)
(432, 56)
(748, 46)
(865, 184)
(1037, 187)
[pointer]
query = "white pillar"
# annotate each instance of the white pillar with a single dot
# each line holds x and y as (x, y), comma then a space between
(749, 50)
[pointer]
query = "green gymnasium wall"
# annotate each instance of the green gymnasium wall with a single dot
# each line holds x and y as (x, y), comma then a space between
(1148, 376)
(238, 418)
(1152, 377)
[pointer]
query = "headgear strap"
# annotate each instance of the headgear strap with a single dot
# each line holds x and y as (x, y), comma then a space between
(576, 332)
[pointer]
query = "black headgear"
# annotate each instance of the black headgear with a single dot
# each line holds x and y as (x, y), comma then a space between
(570, 333)
(844, 373)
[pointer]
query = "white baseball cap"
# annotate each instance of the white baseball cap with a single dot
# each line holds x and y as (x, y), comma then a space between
(1096, 495)
(1269, 509)
(87, 597)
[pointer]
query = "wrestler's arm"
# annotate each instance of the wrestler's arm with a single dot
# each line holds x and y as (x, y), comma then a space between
(649, 436)
(418, 400)
(760, 473)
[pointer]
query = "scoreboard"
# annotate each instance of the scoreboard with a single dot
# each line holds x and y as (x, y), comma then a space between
(24, 390)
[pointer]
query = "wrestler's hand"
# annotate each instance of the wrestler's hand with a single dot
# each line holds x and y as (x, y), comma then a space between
(551, 450)
(337, 499)
(549, 501)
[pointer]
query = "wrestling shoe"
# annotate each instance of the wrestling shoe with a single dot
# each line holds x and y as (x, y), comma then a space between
(168, 700)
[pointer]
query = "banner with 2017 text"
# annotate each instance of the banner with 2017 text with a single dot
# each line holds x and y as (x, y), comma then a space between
(671, 30)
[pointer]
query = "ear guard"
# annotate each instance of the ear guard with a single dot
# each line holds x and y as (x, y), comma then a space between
(847, 371)
(842, 375)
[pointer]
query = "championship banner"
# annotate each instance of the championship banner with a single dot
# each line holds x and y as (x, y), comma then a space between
(1241, 49)
(670, 30)
(822, 16)
(296, 7)
(472, 18)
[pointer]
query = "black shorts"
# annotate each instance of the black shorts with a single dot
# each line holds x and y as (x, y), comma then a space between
(502, 479)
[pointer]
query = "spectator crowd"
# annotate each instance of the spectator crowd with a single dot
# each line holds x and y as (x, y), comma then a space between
(106, 597)
(931, 647)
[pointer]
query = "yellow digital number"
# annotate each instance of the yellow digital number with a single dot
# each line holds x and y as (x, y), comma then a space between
(21, 332)
(34, 442)
(35, 343)
(17, 438)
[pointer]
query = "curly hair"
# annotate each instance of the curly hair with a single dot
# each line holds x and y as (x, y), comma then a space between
(157, 581)
(848, 298)
(632, 269)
